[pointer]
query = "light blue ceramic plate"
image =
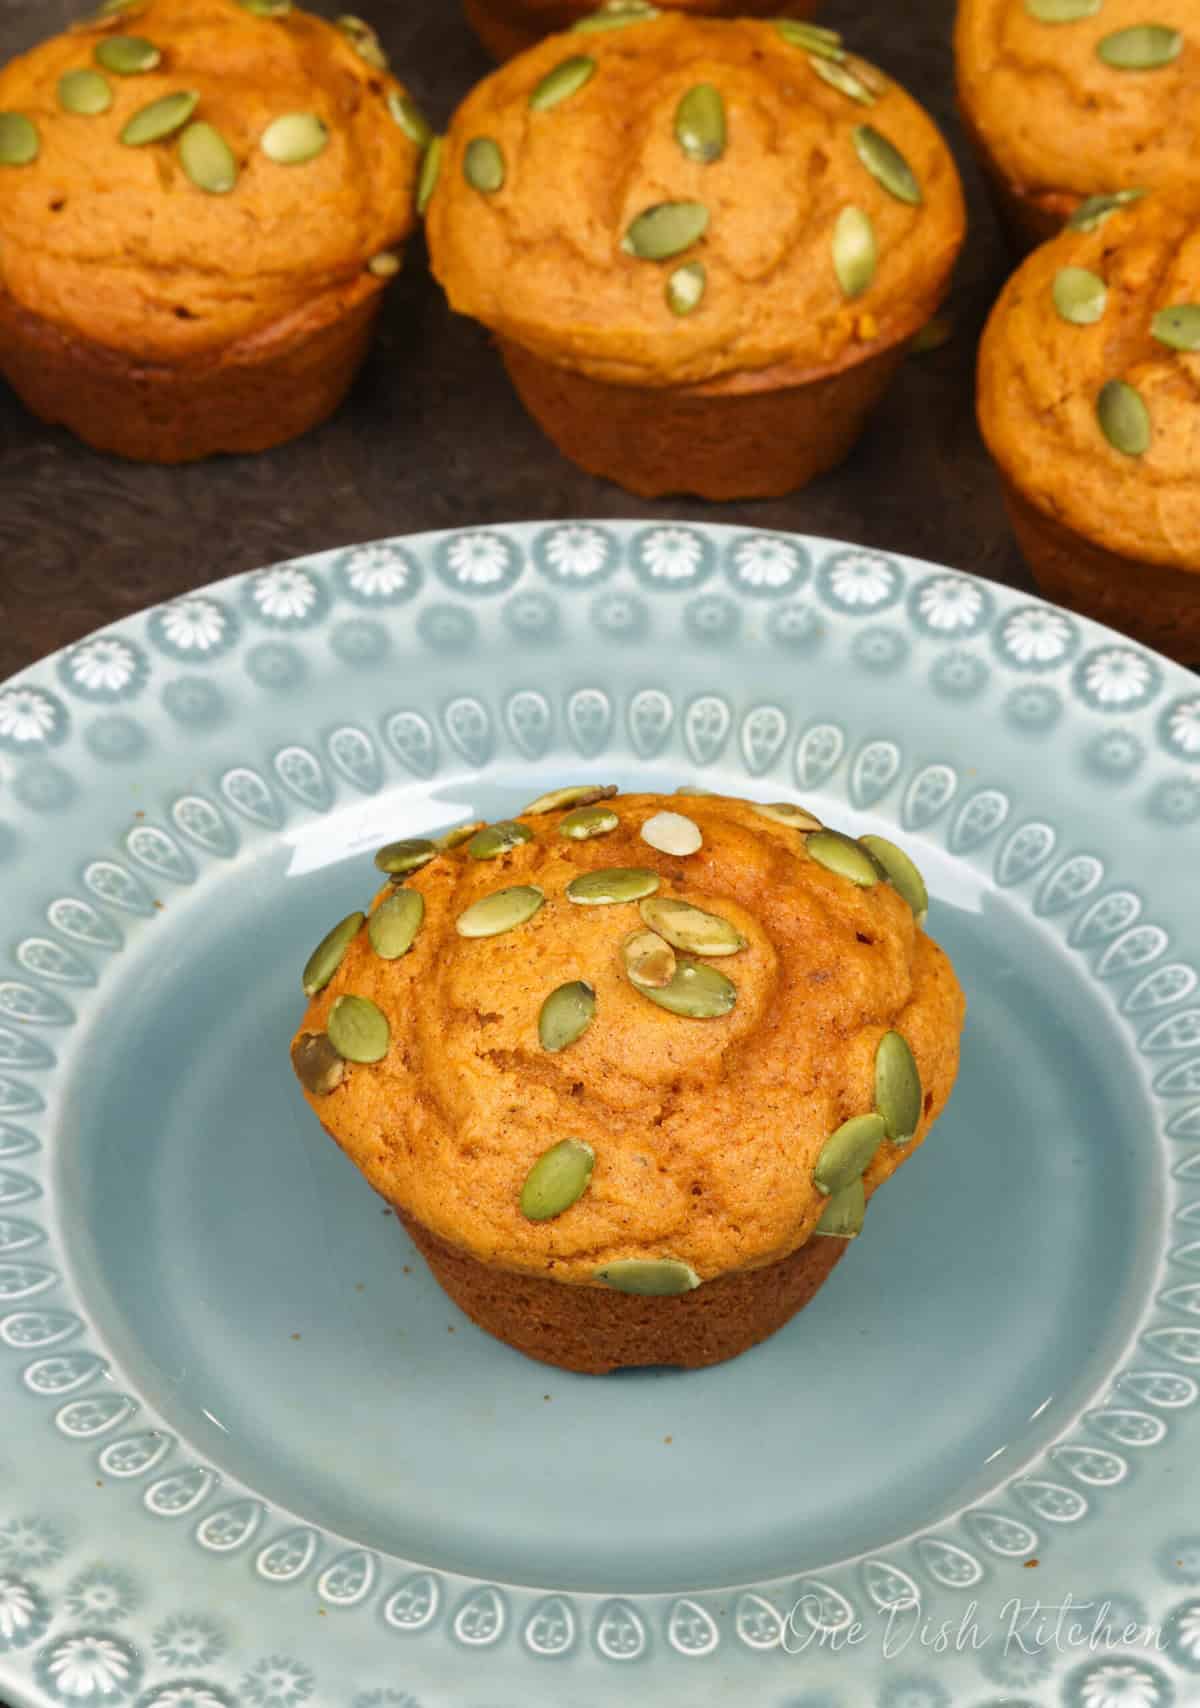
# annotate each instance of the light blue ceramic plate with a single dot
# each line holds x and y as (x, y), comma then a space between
(251, 1454)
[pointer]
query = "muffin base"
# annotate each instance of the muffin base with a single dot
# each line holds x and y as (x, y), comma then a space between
(594, 1330)
(1154, 603)
(752, 436)
(505, 28)
(260, 391)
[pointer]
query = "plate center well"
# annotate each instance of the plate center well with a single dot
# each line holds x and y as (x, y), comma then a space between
(252, 1288)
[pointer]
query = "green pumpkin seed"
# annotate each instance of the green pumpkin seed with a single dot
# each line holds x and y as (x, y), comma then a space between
(396, 858)
(696, 992)
(686, 287)
(393, 926)
(845, 856)
(574, 795)
(502, 911)
(456, 837)
(208, 159)
(294, 138)
(326, 958)
(841, 78)
(358, 1031)
(385, 265)
(846, 1153)
(901, 872)
(615, 16)
(483, 165)
(409, 117)
(363, 40)
(845, 1212)
(84, 92)
(586, 822)
(787, 812)
(672, 833)
(649, 962)
(1079, 296)
(267, 8)
(612, 885)
(431, 171)
(567, 79)
(666, 229)
(1178, 327)
(1145, 47)
(884, 161)
(162, 118)
(1062, 11)
(897, 1088)
(317, 1064)
(558, 1179)
(657, 1277)
(1124, 419)
(700, 123)
(566, 1015)
(1092, 212)
(496, 839)
(127, 56)
(813, 38)
(855, 251)
(691, 928)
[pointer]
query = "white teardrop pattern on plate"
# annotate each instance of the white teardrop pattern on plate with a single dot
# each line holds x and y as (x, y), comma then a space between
(980, 817)
(179, 1493)
(948, 1564)
(84, 1419)
(619, 1632)
(1051, 1501)
(1025, 853)
(16, 1235)
(415, 1604)
(888, 1585)
(706, 726)
(80, 921)
(25, 1280)
(1185, 1125)
(158, 852)
(46, 959)
(112, 884)
(822, 1607)
(551, 1629)
(1010, 1538)
(481, 1618)
(758, 1622)
(691, 1629)
(1161, 1387)
(301, 774)
(62, 1373)
(1133, 949)
(468, 724)
(22, 1050)
(1188, 1256)
(135, 1455)
(30, 1331)
(1127, 1427)
(650, 716)
(928, 795)
(818, 754)
(875, 769)
(205, 825)
(412, 740)
(1160, 988)
(1094, 1466)
(34, 1007)
(589, 720)
(1185, 1298)
(1179, 1031)
(16, 1188)
(763, 734)
(1181, 1080)
(1069, 884)
(251, 796)
(530, 722)
(354, 754)
(1107, 917)
(288, 1557)
(230, 1527)
(349, 1579)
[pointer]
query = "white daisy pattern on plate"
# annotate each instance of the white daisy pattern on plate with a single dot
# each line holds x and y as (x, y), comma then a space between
(672, 557)
(479, 563)
(287, 596)
(1181, 727)
(378, 574)
(189, 1640)
(859, 582)
(575, 554)
(1116, 679)
(1037, 638)
(29, 1544)
(1120, 1684)
(277, 1683)
(796, 626)
(193, 628)
(1114, 753)
(103, 668)
(29, 717)
(185, 1693)
(87, 1667)
(958, 675)
(712, 619)
(767, 564)
(99, 1596)
(881, 649)
(1176, 801)
(620, 616)
(1182, 1635)
(1033, 709)
(23, 1613)
(950, 605)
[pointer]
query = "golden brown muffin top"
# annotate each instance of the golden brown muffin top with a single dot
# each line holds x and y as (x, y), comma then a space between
(1058, 115)
(1051, 389)
(705, 1131)
(542, 261)
(116, 242)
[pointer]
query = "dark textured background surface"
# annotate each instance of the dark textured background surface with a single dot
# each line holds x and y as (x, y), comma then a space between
(432, 436)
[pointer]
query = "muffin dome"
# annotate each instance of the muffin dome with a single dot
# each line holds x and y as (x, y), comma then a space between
(113, 241)
(1088, 381)
(1107, 99)
(548, 221)
(707, 1132)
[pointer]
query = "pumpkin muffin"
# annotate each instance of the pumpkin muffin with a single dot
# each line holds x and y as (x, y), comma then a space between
(506, 27)
(201, 204)
(1069, 99)
(629, 1068)
(702, 245)
(1089, 400)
